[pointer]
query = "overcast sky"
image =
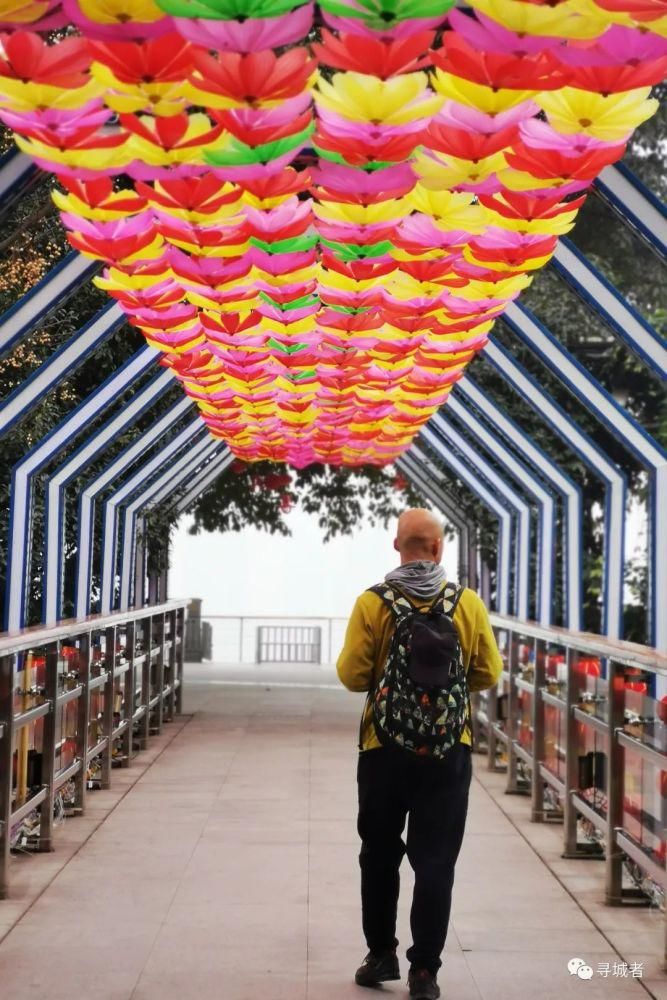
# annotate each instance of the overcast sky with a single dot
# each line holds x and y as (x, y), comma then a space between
(252, 572)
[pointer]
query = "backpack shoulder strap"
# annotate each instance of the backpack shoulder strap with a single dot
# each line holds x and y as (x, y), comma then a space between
(397, 602)
(451, 595)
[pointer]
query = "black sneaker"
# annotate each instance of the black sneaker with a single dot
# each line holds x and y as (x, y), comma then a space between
(377, 969)
(422, 985)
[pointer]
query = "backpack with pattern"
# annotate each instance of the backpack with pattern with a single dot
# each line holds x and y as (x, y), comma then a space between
(420, 701)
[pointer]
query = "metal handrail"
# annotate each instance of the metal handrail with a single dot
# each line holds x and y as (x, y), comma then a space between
(630, 654)
(41, 635)
(148, 682)
(531, 755)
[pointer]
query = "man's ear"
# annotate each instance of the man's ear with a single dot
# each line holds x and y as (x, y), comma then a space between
(396, 548)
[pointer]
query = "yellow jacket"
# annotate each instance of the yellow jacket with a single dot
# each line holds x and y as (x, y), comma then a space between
(369, 633)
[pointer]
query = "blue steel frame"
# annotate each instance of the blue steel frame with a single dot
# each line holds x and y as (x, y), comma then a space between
(526, 481)
(599, 464)
(606, 301)
(20, 534)
(169, 482)
(637, 206)
(200, 483)
(66, 358)
(474, 483)
(443, 429)
(91, 449)
(118, 466)
(569, 491)
(110, 506)
(47, 294)
(633, 436)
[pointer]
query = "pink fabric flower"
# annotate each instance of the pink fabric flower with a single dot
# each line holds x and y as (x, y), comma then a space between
(251, 35)
(489, 36)
(617, 46)
(401, 30)
(462, 116)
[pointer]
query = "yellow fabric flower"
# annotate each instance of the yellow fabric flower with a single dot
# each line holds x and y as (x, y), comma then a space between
(611, 118)
(657, 27)
(458, 336)
(305, 325)
(21, 12)
(448, 209)
(333, 279)
(120, 11)
(279, 280)
(70, 203)
(361, 215)
(478, 95)
(127, 98)
(203, 301)
(88, 159)
(564, 20)
(437, 171)
(405, 287)
(248, 198)
(20, 96)
(155, 155)
(396, 101)
(520, 180)
(556, 226)
(116, 280)
(503, 289)
(532, 264)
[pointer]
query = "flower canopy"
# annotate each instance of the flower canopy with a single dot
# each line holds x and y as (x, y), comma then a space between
(317, 214)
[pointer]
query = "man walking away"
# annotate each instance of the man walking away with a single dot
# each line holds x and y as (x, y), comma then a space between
(415, 759)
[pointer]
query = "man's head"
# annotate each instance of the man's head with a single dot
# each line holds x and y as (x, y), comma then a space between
(420, 535)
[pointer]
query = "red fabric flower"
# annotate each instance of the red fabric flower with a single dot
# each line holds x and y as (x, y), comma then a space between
(97, 193)
(253, 135)
(358, 153)
(517, 205)
(641, 10)
(467, 145)
(607, 80)
(288, 181)
(551, 163)
(375, 56)
(499, 70)
(255, 76)
(157, 60)
(26, 56)
(169, 131)
(204, 194)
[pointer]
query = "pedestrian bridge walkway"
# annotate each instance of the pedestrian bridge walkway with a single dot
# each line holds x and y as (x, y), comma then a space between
(223, 866)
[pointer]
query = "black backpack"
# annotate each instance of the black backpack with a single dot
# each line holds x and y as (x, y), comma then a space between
(421, 698)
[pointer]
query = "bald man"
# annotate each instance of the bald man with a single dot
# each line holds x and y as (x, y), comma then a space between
(395, 784)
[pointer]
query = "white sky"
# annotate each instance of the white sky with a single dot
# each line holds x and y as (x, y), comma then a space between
(254, 573)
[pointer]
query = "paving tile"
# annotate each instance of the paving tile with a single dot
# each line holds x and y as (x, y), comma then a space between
(229, 870)
(544, 975)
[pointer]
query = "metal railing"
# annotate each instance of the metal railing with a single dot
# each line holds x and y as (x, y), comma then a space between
(577, 729)
(87, 694)
(233, 639)
(289, 644)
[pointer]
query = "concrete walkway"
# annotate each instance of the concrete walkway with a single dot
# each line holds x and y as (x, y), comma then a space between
(229, 871)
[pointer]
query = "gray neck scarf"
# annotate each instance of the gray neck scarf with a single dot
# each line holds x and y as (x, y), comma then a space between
(420, 579)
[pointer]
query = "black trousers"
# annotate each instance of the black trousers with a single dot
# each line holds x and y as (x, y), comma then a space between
(393, 784)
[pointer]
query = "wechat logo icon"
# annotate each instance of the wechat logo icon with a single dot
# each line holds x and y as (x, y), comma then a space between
(577, 967)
